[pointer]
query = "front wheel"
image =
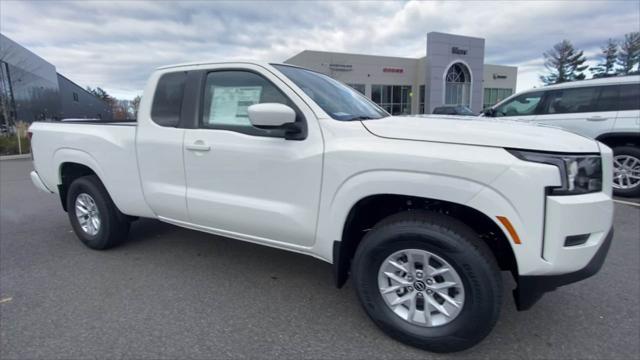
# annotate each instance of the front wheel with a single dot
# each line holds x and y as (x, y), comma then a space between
(626, 171)
(427, 280)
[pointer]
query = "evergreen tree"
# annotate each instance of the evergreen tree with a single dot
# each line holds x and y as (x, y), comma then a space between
(609, 55)
(629, 54)
(102, 94)
(564, 63)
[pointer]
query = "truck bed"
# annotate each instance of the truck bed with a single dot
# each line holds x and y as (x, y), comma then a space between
(107, 148)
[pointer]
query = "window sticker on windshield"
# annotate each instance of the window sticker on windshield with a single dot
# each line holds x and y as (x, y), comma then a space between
(229, 105)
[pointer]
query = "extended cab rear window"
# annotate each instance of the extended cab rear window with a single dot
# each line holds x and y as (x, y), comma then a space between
(167, 100)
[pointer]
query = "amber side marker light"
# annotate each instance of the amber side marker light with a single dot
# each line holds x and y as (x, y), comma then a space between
(507, 224)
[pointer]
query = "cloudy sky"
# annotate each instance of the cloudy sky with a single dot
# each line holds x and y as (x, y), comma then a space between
(116, 44)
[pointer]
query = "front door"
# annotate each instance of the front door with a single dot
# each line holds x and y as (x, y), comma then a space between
(249, 182)
(523, 107)
(588, 111)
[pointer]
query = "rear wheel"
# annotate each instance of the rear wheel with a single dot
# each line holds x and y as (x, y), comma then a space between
(626, 171)
(93, 215)
(427, 280)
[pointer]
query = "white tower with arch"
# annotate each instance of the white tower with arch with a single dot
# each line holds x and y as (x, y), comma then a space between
(454, 71)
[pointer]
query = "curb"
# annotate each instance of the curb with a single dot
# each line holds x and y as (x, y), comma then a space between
(631, 203)
(15, 157)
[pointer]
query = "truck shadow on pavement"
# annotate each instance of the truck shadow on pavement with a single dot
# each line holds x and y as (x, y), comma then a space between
(248, 272)
(247, 259)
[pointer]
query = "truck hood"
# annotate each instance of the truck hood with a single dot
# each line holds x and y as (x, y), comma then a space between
(481, 131)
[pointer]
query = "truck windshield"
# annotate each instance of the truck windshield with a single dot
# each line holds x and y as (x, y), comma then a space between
(336, 99)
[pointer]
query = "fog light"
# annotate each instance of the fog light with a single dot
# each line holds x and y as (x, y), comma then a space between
(575, 240)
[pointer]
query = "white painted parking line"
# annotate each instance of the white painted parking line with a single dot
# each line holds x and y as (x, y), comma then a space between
(627, 203)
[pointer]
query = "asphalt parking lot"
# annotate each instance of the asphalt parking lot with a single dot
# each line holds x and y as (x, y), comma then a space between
(175, 293)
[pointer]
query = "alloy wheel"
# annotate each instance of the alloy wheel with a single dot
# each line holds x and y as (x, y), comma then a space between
(626, 172)
(87, 214)
(421, 287)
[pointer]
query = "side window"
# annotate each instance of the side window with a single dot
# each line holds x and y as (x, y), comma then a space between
(608, 100)
(228, 95)
(525, 104)
(358, 87)
(576, 100)
(167, 100)
(629, 97)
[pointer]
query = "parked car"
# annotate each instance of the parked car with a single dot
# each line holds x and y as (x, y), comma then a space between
(607, 110)
(422, 214)
(453, 110)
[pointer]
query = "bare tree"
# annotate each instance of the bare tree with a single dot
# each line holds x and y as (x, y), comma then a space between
(136, 104)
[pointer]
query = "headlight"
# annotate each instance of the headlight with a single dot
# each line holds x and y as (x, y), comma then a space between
(580, 174)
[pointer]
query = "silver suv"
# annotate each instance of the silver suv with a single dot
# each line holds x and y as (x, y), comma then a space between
(606, 109)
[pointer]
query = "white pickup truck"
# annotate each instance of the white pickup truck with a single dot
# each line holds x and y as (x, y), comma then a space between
(422, 213)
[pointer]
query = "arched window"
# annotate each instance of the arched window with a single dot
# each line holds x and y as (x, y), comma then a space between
(457, 85)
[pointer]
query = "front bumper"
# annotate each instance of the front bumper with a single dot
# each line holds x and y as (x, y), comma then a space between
(531, 288)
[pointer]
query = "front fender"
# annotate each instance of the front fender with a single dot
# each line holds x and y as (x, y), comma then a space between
(334, 213)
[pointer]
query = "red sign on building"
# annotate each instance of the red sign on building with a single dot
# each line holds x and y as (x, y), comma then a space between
(393, 70)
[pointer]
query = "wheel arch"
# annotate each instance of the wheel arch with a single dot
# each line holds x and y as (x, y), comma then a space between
(345, 218)
(67, 173)
(620, 139)
(372, 209)
(71, 164)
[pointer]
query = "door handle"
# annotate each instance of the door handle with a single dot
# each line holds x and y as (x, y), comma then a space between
(596, 118)
(198, 146)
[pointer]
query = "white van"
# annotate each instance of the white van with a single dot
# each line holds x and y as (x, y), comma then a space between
(607, 110)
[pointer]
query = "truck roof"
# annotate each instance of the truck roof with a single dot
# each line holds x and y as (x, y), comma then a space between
(196, 63)
(626, 79)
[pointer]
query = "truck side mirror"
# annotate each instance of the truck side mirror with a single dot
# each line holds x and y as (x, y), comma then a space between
(490, 112)
(271, 115)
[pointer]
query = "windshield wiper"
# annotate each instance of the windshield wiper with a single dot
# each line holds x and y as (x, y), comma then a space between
(361, 117)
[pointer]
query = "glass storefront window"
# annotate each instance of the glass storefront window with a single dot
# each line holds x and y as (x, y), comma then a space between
(395, 99)
(358, 87)
(421, 101)
(7, 111)
(458, 85)
(493, 96)
(27, 96)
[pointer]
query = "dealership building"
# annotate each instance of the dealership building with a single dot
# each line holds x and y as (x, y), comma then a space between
(31, 89)
(453, 72)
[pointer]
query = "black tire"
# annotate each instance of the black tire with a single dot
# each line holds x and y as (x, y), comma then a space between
(113, 224)
(456, 243)
(628, 151)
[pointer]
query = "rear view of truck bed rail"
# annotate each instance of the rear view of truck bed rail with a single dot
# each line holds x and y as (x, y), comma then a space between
(96, 122)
